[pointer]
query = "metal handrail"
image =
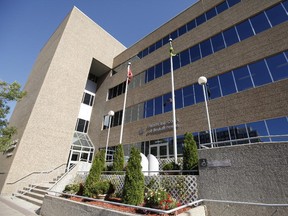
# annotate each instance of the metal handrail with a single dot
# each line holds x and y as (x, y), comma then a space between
(36, 172)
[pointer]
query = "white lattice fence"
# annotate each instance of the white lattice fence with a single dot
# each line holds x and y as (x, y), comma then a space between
(181, 187)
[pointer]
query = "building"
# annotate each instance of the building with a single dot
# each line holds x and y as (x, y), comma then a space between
(241, 46)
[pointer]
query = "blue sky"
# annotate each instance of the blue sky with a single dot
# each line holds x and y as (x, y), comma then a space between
(26, 25)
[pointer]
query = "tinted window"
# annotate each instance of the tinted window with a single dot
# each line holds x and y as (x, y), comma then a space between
(242, 78)
(217, 42)
(206, 48)
(191, 25)
(165, 40)
(259, 73)
(278, 126)
(174, 35)
(199, 96)
(201, 19)
(211, 13)
(220, 8)
(145, 52)
(182, 30)
(151, 74)
(158, 70)
(158, 105)
(152, 48)
(176, 62)
(86, 99)
(278, 67)
(149, 108)
(185, 58)
(232, 2)
(260, 23)
(244, 30)
(230, 36)
(166, 66)
(257, 129)
(213, 88)
(195, 53)
(227, 84)
(167, 99)
(158, 44)
(178, 99)
(276, 15)
(285, 3)
(188, 95)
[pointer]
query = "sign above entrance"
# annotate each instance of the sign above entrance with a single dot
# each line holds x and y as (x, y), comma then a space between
(160, 127)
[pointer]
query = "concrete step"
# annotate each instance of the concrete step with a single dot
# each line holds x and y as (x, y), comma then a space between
(32, 194)
(196, 211)
(29, 199)
(39, 191)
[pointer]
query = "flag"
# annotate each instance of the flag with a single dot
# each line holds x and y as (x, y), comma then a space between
(129, 74)
(172, 50)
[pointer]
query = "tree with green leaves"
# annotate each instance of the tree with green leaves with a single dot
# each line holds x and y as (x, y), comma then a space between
(8, 93)
(134, 185)
(118, 162)
(98, 166)
(190, 152)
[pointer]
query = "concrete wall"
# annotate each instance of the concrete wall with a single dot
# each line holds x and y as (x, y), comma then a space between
(255, 173)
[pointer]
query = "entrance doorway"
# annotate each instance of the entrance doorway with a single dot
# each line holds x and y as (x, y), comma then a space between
(160, 150)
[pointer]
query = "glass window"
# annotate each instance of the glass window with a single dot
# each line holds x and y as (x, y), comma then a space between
(182, 30)
(206, 48)
(239, 132)
(278, 67)
(167, 99)
(140, 111)
(257, 129)
(149, 108)
(166, 66)
(120, 89)
(185, 58)
(140, 55)
(211, 13)
(230, 36)
(174, 34)
(259, 73)
(278, 126)
(158, 70)
(80, 125)
(176, 62)
(199, 96)
(158, 44)
(195, 53)
(244, 30)
(221, 7)
(188, 96)
(152, 48)
(87, 98)
(200, 19)
(178, 99)
(145, 52)
(165, 40)
(217, 42)
(232, 2)
(260, 23)
(134, 113)
(222, 134)
(151, 73)
(158, 105)
(128, 114)
(191, 25)
(276, 15)
(227, 84)
(242, 78)
(213, 88)
(285, 3)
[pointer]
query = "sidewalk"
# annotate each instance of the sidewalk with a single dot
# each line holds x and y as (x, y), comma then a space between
(16, 207)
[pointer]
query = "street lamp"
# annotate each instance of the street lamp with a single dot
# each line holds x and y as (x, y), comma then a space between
(203, 81)
(110, 114)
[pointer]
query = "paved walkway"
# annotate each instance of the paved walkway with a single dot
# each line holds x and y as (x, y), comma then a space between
(16, 207)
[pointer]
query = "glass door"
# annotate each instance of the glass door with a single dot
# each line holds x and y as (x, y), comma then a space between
(160, 150)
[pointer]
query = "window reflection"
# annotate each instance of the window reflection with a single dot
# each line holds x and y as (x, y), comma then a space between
(244, 30)
(227, 84)
(242, 78)
(278, 126)
(278, 66)
(259, 73)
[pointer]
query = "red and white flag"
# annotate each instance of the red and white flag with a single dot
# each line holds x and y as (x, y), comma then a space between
(129, 74)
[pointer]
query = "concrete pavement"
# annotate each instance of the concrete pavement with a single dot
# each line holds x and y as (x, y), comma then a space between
(13, 206)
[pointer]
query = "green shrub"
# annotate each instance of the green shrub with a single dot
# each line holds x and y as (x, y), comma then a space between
(190, 153)
(171, 166)
(133, 190)
(71, 188)
(98, 166)
(118, 161)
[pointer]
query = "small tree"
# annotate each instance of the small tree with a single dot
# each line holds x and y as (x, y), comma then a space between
(95, 172)
(190, 152)
(118, 162)
(133, 191)
(8, 92)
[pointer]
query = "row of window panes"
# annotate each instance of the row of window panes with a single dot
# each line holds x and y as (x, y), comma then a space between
(82, 125)
(250, 27)
(88, 99)
(117, 90)
(189, 26)
(262, 72)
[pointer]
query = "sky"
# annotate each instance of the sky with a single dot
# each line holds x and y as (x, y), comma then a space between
(26, 25)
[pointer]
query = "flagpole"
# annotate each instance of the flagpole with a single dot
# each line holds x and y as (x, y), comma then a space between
(173, 103)
(124, 104)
